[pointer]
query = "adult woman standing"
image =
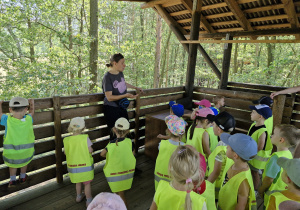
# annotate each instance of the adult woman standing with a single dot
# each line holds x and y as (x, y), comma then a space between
(115, 90)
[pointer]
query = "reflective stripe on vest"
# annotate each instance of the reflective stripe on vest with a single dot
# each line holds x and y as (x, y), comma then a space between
(158, 178)
(273, 191)
(19, 161)
(261, 158)
(120, 178)
(18, 147)
(80, 170)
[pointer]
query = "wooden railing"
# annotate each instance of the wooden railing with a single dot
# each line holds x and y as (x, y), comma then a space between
(51, 120)
(52, 116)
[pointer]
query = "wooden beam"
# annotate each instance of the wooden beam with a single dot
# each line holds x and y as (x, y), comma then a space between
(240, 41)
(266, 8)
(189, 5)
(182, 12)
(268, 32)
(192, 56)
(239, 15)
(157, 2)
(224, 14)
(226, 63)
(289, 8)
(277, 109)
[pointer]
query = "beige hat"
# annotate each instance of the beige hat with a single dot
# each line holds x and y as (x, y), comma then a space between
(292, 167)
(18, 102)
(77, 123)
(122, 124)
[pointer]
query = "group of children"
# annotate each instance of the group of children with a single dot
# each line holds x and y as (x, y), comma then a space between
(234, 163)
(198, 167)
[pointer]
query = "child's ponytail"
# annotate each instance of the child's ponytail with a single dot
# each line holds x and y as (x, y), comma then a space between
(188, 200)
(194, 125)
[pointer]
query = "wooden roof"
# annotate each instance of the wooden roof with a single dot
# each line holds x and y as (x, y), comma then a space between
(240, 18)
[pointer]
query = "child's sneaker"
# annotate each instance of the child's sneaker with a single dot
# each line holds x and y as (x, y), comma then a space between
(23, 180)
(12, 183)
(80, 197)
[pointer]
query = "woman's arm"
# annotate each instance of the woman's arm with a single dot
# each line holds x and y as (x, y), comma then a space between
(133, 87)
(286, 91)
(111, 97)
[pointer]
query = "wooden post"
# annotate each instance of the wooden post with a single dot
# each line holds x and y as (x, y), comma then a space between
(226, 63)
(58, 139)
(192, 57)
(137, 122)
(277, 109)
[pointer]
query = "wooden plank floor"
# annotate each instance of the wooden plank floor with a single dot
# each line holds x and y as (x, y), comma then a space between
(139, 197)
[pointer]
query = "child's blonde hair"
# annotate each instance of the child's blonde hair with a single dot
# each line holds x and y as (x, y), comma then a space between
(216, 99)
(290, 133)
(121, 133)
(184, 169)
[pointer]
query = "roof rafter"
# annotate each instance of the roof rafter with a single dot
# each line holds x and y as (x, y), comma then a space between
(189, 5)
(239, 15)
(289, 8)
(158, 2)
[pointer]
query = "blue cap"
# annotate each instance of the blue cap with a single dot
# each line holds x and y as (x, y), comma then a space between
(214, 110)
(177, 109)
(241, 144)
(263, 110)
(264, 100)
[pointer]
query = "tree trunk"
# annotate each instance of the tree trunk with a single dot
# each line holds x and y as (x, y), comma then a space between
(69, 20)
(157, 52)
(94, 42)
(163, 69)
(235, 63)
(32, 59)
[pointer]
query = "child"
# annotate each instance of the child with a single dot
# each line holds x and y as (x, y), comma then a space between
(204, 103)
(197, 135)
(238, 192)
(178, 194)
(176, 128)
(80, 163)
(120, 160)
(107, 201)
(219, 102)
(178, 110)
(18, 145)
(290, 198)
(259, 133)
(218, 162)
(284, 137)
(269, 102)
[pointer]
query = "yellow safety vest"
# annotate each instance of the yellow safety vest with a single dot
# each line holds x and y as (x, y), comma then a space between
(168, 198)
(120, 165)
(279, 198)
(161, 171)
(196, 141)
(260, 160)
(18, 145)
(277, 184)
(229, 192)
(213, 139)
(225, 166)
(209, 195)
(80, 162)
(269, 125)
(183, 138)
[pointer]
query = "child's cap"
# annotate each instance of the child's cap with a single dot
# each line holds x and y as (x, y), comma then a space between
(204, 112)
(18, 102)
(224, 120)
(263, 110)
(177, 109)
(241, 144)
(107, 201)
(203, 102)
(175, 125)
(264, 100)
(214, 110)
(77, 123)
(292, 168)
(122, 124)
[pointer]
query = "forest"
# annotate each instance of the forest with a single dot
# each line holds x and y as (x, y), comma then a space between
(48, 48)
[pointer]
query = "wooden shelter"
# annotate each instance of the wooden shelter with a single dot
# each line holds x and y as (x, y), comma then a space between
(192, 22)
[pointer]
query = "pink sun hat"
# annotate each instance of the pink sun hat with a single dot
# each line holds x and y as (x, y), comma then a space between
(204, 112)
(203, 102)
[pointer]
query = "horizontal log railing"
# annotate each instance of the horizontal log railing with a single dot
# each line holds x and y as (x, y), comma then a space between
(51, 120)
(52, 116)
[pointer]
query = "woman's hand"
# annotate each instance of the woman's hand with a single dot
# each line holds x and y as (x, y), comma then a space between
(139, 89)
(129, 95)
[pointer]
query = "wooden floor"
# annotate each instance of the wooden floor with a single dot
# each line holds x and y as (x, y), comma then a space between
(139, 197)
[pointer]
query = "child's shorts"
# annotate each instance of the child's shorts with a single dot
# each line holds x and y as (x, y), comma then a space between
(87, 182)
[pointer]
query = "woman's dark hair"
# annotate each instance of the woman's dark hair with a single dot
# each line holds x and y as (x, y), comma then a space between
(194, 125)
(115, 58)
